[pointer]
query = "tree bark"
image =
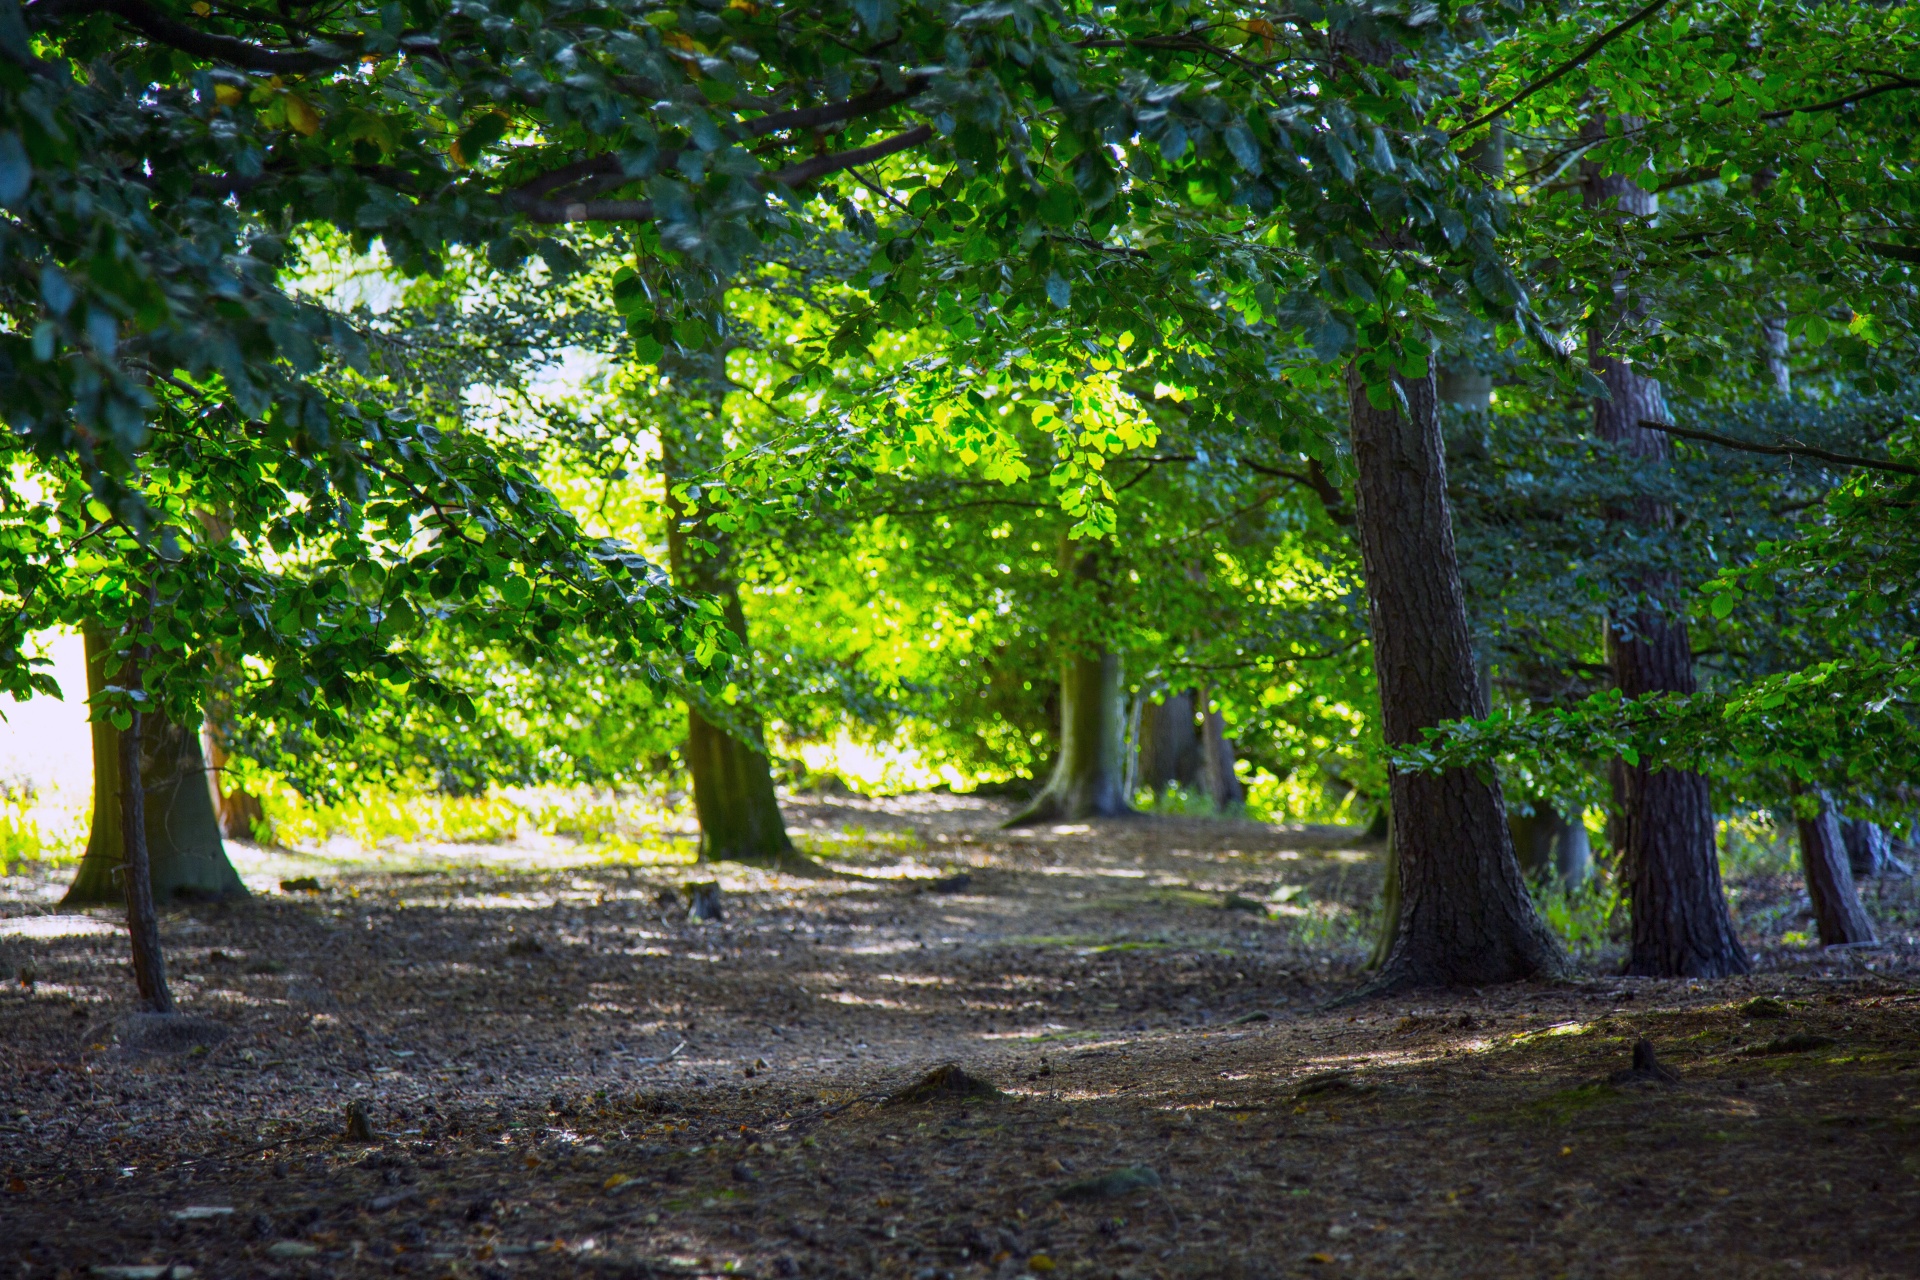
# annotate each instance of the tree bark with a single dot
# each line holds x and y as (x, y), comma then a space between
(1552, 846)
(186, 858)
(1465, 915)
(1869, 852)
(1217, 775)
(239, 812)
(1180, 744)
(1681, 927)
(1169, 749)
(1837, 912)
(1086, 780)
(143, 922)
(733, 793)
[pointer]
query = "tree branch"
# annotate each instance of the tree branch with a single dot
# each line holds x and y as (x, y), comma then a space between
(1578, 60)
(1784, 450)
(1898, 82)
(546, 210)
(164, 28)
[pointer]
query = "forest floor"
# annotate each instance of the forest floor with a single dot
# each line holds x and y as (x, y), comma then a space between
(566, 1077)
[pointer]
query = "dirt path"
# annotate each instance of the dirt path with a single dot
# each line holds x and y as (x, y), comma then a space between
(569, 1078)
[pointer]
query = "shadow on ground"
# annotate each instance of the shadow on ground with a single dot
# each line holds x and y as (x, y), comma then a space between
(567, 1077)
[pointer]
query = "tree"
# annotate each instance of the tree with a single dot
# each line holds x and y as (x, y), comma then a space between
(732, 781)
(1089, 767)
(1837, 913)
(1681, 928)
(1464, 915)
(180, 831)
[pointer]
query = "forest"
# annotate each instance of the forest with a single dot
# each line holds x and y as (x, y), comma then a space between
(880, 638)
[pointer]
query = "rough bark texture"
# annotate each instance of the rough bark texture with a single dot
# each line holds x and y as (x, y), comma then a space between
(1465, 916)
(185, 855)
(733, 794)
(1086, 780)
(1837, 912)
(1665, 844)
(1869, 852)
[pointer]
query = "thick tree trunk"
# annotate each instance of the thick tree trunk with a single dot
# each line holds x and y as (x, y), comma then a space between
(1086, 781)
(1465, 915)
(733, 794)
(1681, 927)
(1837, 912)
(1869, 852)
(186, 858)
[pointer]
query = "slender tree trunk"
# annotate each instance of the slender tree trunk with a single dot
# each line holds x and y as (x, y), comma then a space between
(185, 855)
(1773, 332)
(1681, 927)
(1465, 916)
(1837, 912)
(1087, 772)
(143, 922)
(1552, 846)
(1389, 929)
(1869, 852)
(733, 793)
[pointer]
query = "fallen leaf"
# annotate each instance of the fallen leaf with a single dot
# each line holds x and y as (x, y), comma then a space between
(616, 1182)
(1040, 1262)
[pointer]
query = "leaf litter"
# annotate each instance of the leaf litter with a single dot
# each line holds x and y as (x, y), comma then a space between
(1039, 1069)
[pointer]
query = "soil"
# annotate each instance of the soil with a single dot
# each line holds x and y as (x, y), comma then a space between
(553, 1072)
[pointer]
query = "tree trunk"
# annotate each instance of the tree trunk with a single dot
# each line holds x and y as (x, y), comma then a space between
(143, 922)
(1086, 774)
(1465, 915)
(1837, 912)
(1681, 928)
(733, 794)
(239, 812)
(1169, 749)
(1869, 852)
(185, 856)
(1180, 744)
(1552, 846)
(1389, 930)
(1217, 776)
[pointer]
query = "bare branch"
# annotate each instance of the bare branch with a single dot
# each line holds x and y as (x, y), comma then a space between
(1791, 450)
(1898, 82)
(1578, 60)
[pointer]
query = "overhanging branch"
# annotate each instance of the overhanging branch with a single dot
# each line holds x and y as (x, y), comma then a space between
(1578, 60)
(1790, 450)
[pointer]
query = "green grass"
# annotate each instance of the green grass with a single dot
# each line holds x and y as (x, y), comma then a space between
(40, 830)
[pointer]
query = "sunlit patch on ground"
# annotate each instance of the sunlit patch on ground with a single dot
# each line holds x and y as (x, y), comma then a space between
(631, 1093)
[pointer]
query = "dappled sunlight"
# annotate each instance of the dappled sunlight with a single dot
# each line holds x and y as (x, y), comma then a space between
(58, 926)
